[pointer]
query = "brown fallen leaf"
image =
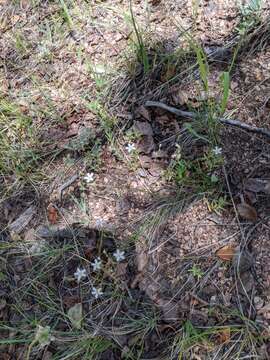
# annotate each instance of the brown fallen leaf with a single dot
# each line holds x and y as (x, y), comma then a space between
(144, 128)
(146, 144)
(247, 212)
(245, 283)
(155, 2)
(168, 73)
(145, 161)
(121, 269)
(169, 308)
(180, 98)
(243, 260)
(52, 214)
(264, 309)
(250, 197)
(70, 301)
(226, 252)
(224, 336)
(144, 113)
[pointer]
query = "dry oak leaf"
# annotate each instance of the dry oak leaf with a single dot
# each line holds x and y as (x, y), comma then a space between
(224, 336)
(247, 212)
(226, 253)
(144, 113)
(52, 214)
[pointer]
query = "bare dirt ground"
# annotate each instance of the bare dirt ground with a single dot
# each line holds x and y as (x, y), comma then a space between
(168, 226)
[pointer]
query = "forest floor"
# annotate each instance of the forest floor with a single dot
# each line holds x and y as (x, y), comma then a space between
(128, 231)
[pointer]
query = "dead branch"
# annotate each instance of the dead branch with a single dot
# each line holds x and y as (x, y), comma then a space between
(224, 121)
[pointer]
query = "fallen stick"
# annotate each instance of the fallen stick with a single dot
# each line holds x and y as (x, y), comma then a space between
(192, 115)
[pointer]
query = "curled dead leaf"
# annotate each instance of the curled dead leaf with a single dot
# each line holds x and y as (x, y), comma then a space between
(247, 212)
(144, 128)
(224, 336)
(52, 214)
(146, 144)
(144, 113)
(169, 308)
(226, 253)
(145, 161)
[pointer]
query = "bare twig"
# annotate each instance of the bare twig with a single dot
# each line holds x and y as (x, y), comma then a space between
(192, 115)
(66, 185)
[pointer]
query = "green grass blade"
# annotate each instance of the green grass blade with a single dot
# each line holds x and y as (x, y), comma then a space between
(225, 79)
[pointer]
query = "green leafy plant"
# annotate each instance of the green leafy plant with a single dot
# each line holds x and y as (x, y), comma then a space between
(196, 272)
(199, 174)
(203, 66)
(19, 150)
(66, 15)
(217, 205)
(250, 16)
(107, 122)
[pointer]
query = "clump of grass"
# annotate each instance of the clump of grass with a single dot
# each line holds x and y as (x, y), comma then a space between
(220, 342)
(20, 150)
(53, 285)
(66, 14)
(141, 49)
(198, 175)
(107, 122)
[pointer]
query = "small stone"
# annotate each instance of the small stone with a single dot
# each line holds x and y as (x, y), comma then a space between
(142, 173)
(213, 300)
(220, 274)
(258, 302)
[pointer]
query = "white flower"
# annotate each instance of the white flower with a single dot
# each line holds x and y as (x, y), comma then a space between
(96, 292)
(130, 148)
(96, 264)
(217, 150)
(80, 274)
(89, 177)
(100, 223)
(119, 255)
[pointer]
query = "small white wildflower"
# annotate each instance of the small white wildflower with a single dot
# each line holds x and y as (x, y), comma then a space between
(217, 150)
(119, 255)
(89, 177)
(96, 292)
(80, 274)
(96, 264)
(130, 148)
(100, 223)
